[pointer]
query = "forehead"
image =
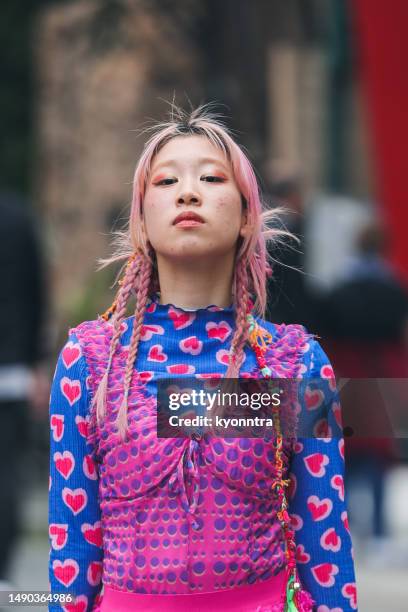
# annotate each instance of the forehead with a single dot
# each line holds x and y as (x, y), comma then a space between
(189, 150)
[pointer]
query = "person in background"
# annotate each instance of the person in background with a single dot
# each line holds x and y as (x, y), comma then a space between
(364, 322)
(24, 385)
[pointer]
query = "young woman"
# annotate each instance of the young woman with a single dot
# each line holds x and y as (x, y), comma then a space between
(191, 524)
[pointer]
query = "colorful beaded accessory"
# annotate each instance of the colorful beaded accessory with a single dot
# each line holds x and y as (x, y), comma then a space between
(297, 599)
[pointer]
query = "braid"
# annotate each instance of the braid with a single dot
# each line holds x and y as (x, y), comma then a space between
(132, 265)
(119, 308)
(242, 301)
(127, 284)
(141, 299)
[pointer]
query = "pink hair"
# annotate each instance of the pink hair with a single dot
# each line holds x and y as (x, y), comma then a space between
(141, 278)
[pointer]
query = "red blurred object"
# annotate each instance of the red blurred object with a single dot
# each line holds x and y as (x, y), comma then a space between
(381, 39)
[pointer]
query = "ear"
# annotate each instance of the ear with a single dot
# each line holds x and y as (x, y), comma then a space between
(245, 227)
(144, 234)
(143, 227)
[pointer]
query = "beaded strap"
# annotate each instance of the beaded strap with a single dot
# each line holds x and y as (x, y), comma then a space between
(296, 599)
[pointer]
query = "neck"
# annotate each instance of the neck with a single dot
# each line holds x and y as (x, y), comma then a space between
(195, 284)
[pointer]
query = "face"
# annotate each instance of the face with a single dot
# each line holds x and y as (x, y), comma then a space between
(191, 176)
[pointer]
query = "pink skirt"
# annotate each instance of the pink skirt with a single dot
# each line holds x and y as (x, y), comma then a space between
(266, 596)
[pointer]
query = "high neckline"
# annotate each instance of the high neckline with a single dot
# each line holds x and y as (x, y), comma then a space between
(155, 298)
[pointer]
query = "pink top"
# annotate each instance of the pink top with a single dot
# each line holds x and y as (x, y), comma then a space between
(178, 515)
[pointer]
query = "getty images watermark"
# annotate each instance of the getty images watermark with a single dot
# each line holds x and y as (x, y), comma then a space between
(227, 407)
(210, 400)
(307, 407)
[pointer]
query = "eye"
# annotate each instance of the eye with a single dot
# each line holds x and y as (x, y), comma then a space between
(213, 179)
(166, 181)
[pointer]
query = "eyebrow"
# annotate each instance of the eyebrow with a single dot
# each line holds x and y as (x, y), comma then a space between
(200, 162)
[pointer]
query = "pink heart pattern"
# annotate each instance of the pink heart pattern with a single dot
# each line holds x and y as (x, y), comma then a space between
(147, 331)
(223, 356)
(58, 533)
(146, 376)
(71, 353)
(79, 605)
(301, 555)
(296, 522)
(92, 533)
(330, 540)
(65, 571)
(221, 331)
(180, 318)
(57, 426)
(314, 398)
(191, 345)
(325, 574)
(94, 573)
(337, 483)
(151, 308)
(71, 390)
(156, 353)
(82, 425)
(344, 520)
(316, 463)
(65, 463)
(76, 499)
(319, 508)
(180, 368)
(349, 590)
(89, 468)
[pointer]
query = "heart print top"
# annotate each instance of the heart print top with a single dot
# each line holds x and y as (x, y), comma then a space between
(174, 515)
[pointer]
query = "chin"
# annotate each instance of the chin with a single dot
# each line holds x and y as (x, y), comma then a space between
(195, 253)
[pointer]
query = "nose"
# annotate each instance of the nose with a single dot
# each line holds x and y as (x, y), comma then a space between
(189, 196)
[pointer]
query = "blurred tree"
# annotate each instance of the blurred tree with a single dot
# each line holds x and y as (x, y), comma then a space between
(16, 92)
(340, 62)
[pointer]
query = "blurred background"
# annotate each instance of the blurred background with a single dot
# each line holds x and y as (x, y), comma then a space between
(317, 92)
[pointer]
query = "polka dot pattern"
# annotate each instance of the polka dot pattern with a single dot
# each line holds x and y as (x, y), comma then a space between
(207, 504)
(175, 515)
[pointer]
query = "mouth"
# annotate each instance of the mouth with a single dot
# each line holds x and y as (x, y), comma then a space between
(188, 219)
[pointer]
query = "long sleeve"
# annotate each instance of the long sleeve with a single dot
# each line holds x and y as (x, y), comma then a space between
(75, 561)
(317, 504)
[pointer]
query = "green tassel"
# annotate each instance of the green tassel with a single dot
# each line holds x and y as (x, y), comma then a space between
(251, 322)
(290, 596)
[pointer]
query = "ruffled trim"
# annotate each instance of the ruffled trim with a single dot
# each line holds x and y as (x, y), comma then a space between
(285, 354)
(95, 338)
(155, 298)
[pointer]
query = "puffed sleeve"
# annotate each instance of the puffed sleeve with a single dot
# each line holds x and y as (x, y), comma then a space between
(317, 502)
(75, 534)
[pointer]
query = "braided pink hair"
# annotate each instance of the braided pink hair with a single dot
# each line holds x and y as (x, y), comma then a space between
(141, 276)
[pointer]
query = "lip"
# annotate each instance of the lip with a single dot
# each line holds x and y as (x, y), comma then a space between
(188, 219)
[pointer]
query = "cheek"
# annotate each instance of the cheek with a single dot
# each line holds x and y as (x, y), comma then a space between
(151, 214)
(229, 200)
(228, 212)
